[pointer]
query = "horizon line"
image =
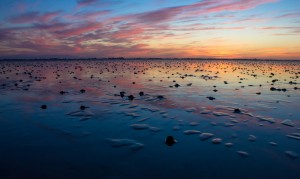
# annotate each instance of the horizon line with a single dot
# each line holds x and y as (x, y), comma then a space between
(143, 58)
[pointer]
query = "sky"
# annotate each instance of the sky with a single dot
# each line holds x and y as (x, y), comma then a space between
(268, 29)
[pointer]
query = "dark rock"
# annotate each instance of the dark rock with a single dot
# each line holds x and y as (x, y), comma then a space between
(160, 97)
(131, 97)
(83, 107)
(44, 106)
(122, 94)
(170, 141)
(141, 93)
(210, 98)
(176, 85)
(237, 110)
(62, 92)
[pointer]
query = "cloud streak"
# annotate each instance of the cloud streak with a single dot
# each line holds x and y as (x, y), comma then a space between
(182, 30)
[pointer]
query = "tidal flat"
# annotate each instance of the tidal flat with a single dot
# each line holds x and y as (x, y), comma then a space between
(112, 119)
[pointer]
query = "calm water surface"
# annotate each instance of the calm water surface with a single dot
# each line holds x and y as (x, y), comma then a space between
(251, 110)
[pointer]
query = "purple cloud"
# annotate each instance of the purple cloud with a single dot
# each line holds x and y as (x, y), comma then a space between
(35, 16)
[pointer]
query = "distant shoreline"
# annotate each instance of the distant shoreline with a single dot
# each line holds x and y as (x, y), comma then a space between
(148, 59)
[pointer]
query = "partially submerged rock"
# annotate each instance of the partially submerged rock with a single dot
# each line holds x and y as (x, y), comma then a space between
(190, 132)
(132, 144)
(170, 140)
(288, 122)
(205, 136)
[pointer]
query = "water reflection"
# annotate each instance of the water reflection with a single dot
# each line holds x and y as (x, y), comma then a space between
(229, 101)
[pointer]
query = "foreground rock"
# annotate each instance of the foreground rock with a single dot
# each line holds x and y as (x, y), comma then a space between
(170, 140)
(140, 126)
(205, 136)
(132, 144)
(243, 154)
(190, 132)
(292, 154)
(217, 141)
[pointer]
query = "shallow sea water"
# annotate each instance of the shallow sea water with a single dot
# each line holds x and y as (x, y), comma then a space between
(227, 121)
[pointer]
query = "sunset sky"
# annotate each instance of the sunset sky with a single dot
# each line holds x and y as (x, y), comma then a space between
(144, 28)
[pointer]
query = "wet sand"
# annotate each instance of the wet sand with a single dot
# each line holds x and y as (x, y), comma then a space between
(112, 119)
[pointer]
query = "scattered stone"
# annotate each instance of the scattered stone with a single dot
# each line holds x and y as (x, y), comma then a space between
(190, 132)
(160, 97)
(210, 98)
(139, 126)
(194, 123)
(83, 107)
(294, 136)
(228, 144)
(291, 154)
(252, 138)
(130, 97)
(141, 93)
(44, 106)
(62, 92)
(133, 145)
(217, 141)
(170, 140)
(273, 144)
(205, 136)
(190, 109)
(122, 94)
(243, 154)
(176, 85)
(154, 129)
(237, 110)
(288, 122)
(136, 146)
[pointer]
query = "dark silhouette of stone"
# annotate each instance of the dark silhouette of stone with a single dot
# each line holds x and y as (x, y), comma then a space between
(122, 94)
(176, 85)
(83, 107)
(210, 98)
(44, 106)
(82, 91)
(62, 92)
(131, 97)
(141, 93)
(160, 97)
(237, 110)
(170, 140)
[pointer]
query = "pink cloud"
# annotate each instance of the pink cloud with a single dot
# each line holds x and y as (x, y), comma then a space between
(79, 29)
(199, 8)
(86, 2)
(91, 16)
